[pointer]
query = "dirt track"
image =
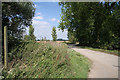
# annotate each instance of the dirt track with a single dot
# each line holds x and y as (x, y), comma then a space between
(103, 65)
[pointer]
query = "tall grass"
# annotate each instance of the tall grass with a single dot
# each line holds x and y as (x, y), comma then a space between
(46, 60)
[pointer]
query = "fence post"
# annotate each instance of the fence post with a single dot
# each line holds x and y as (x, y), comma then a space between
(5, 48)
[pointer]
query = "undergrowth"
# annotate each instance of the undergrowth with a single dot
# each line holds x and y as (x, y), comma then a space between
(45, 60)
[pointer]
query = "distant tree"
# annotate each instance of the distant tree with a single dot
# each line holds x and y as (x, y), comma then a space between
(31, 36)
(38, 39)
(31, 33)
(60, 39)
(54, 35)
(45, 38)
(42, 39)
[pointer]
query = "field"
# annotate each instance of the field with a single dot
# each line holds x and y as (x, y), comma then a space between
(46, 60)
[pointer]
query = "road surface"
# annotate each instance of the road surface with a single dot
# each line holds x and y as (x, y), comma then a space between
(103, 65)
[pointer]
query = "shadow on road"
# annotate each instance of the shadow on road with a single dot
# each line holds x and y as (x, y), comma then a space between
(72, 46)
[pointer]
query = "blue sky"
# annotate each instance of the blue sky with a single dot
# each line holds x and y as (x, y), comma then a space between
(47, 15)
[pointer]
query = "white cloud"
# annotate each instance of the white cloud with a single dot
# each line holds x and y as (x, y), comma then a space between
(36, 22)
(35, 6)
(39, 13)
(54, 0)
(53, 19)
(62, 35)
(42, 29)
(38, 17)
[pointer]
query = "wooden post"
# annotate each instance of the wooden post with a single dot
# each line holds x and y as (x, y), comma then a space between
(5, 48)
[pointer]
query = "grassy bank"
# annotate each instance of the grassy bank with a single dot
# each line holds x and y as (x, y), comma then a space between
(79, 64)
(46, 60)
(113, 52)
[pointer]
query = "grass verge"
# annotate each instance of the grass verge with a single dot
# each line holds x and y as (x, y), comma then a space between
(46, 60)
(113, 52)
(79, 64)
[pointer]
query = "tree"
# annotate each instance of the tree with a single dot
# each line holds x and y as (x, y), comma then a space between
(16, 16)
(31, 33)
(31, 36)
(27, 38)
(42, 39)
(71, 37)
(54, 35)
(93, 24)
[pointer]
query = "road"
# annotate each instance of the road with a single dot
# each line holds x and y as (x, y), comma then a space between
(103, 65)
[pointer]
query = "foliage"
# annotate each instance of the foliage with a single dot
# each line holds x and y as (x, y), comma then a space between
(46, 60)
(44, 39)
(54, 35)
(31, 36)
(71, 37)
(31, 33)
(93, 24)
(27, 38)
(16, 16)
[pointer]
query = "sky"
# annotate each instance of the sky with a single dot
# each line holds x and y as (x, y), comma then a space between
(47, 15)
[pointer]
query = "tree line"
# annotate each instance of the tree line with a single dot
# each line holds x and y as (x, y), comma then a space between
(92, 24)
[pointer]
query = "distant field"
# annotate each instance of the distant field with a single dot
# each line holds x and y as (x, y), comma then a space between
(55, 41)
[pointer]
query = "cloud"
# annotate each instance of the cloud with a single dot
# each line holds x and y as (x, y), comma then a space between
(61, 35)
(54, 0)
(37, 22)
(35, 5)
(39, 13)
(42, 29)
(53, 19)
(38, 17)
